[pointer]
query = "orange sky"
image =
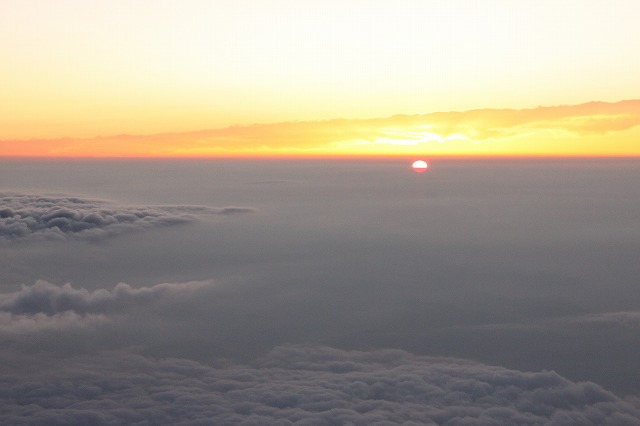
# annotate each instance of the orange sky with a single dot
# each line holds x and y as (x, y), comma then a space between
(324, 77)
(591, 129)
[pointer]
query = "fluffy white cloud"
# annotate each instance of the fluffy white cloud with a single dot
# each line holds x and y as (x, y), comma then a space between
(29, 215)
(304, 385)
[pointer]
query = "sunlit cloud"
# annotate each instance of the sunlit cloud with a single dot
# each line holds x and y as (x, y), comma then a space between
(561, 130)
(416, 135)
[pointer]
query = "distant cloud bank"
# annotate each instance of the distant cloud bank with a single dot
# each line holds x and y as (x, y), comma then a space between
(546, 130)
(30, 215)
(305, 385)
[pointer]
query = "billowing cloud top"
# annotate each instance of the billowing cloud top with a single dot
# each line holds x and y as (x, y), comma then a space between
(50, 299)
(306, 385)
(46, 306)
(558, 130)
(292, 384)
(29, 215)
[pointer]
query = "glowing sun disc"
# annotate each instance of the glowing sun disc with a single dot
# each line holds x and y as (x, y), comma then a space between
(419, 166)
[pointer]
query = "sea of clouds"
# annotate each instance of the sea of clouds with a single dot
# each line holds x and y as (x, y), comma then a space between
(288, 318)
(293, 384)
(305, 385)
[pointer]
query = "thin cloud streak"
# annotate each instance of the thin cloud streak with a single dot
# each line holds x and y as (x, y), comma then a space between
(13, 324)
(630, 319)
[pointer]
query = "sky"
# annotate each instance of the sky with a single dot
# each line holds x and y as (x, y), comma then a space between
(76, 72)
(208, 213)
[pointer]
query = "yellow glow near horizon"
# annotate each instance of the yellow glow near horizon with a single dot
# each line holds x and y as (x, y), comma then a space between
(596, 128)
(81, 69)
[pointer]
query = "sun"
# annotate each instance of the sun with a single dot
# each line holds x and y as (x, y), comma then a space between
(419, 166)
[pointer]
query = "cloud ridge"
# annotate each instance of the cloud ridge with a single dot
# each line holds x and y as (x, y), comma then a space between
(47, 298)
(46, 306)
(30, 215)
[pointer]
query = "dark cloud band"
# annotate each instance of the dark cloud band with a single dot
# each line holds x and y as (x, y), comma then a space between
(27, 215)
(304, 385)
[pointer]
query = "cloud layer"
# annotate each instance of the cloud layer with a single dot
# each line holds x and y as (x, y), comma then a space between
(30, 215)
(305, 385)
(293, 384)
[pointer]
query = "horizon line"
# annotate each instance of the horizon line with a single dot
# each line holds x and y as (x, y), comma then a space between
(336, 157)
